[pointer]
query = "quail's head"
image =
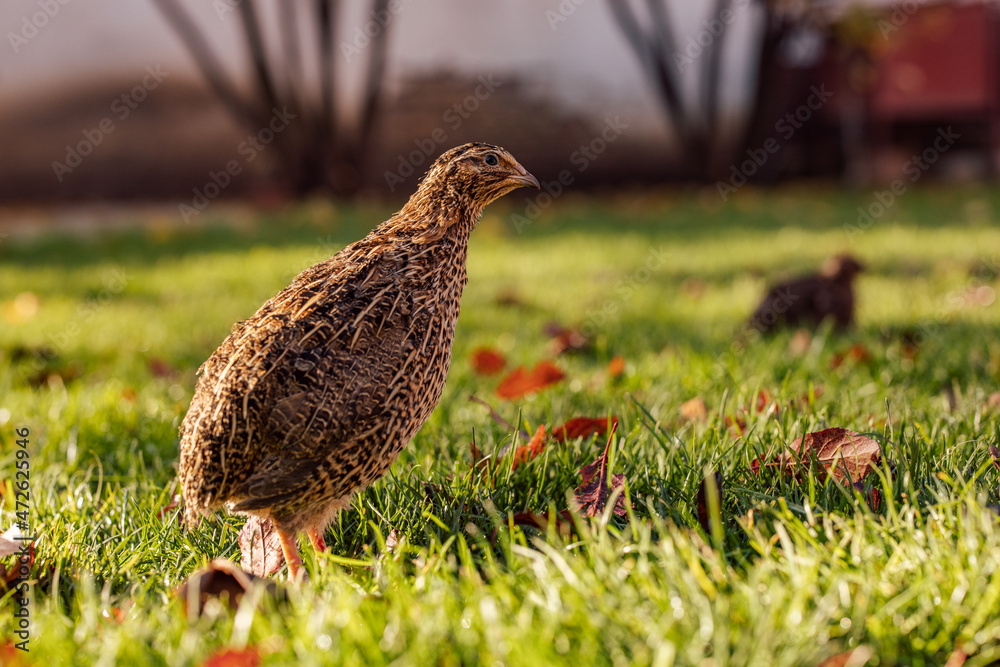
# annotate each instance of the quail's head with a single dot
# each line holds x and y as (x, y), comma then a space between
(842, 268)
(478, 172)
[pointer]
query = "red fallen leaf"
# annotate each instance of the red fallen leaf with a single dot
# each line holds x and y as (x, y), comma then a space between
(260, 547)
(487, 361)
(694, 409)
(616, 366)
(247, 657)
(857, 353)
(582, 427)
(702, 504)
(521, 382)
(592, 495)
(525, 453)
(565, 339)
(839, 451)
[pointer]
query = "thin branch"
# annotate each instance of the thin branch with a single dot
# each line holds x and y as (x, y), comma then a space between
(373, 80)
(205, 59)
(327, 121)
(288, 27)
(258, 55)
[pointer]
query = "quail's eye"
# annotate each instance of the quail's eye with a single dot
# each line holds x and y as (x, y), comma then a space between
(491, 160)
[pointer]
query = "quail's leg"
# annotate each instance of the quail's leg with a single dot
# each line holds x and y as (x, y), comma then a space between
(291, 551)
(316, 537)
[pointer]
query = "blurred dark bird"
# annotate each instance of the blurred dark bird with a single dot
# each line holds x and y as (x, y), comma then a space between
(809, 300)
(312, 398)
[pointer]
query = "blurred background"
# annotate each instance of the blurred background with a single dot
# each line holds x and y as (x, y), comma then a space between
(186, 102)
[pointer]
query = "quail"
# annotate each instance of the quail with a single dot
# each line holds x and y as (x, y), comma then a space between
(313, 397)
(809, 300)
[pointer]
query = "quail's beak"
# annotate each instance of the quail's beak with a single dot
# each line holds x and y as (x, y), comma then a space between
(521, 178)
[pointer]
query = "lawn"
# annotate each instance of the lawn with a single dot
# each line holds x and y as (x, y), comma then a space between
(103, 336)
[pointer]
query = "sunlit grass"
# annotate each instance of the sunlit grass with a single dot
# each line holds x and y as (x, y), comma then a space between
(101, 352)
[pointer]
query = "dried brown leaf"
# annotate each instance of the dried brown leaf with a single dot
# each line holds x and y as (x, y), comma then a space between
(582, 427)
(616, 366)
(592, 495)
(839, 452)
(224, 580)
(260, 547)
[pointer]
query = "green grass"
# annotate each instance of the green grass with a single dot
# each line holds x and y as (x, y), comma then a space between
(795, 570)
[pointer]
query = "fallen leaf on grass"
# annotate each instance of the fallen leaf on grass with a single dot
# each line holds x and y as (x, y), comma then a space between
(521, 382)
(592, 495)
(246, 657)
(704, 515)
(616, 366)
(839, 452)
(224, 580)
(694, 409)
(582, 427)
(535, 446)
(174, 503)
(9, 542)
(260, 547)
(487, 361)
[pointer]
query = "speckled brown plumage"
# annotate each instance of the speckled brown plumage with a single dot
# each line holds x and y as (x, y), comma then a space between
(313, 397)
(809, 300)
